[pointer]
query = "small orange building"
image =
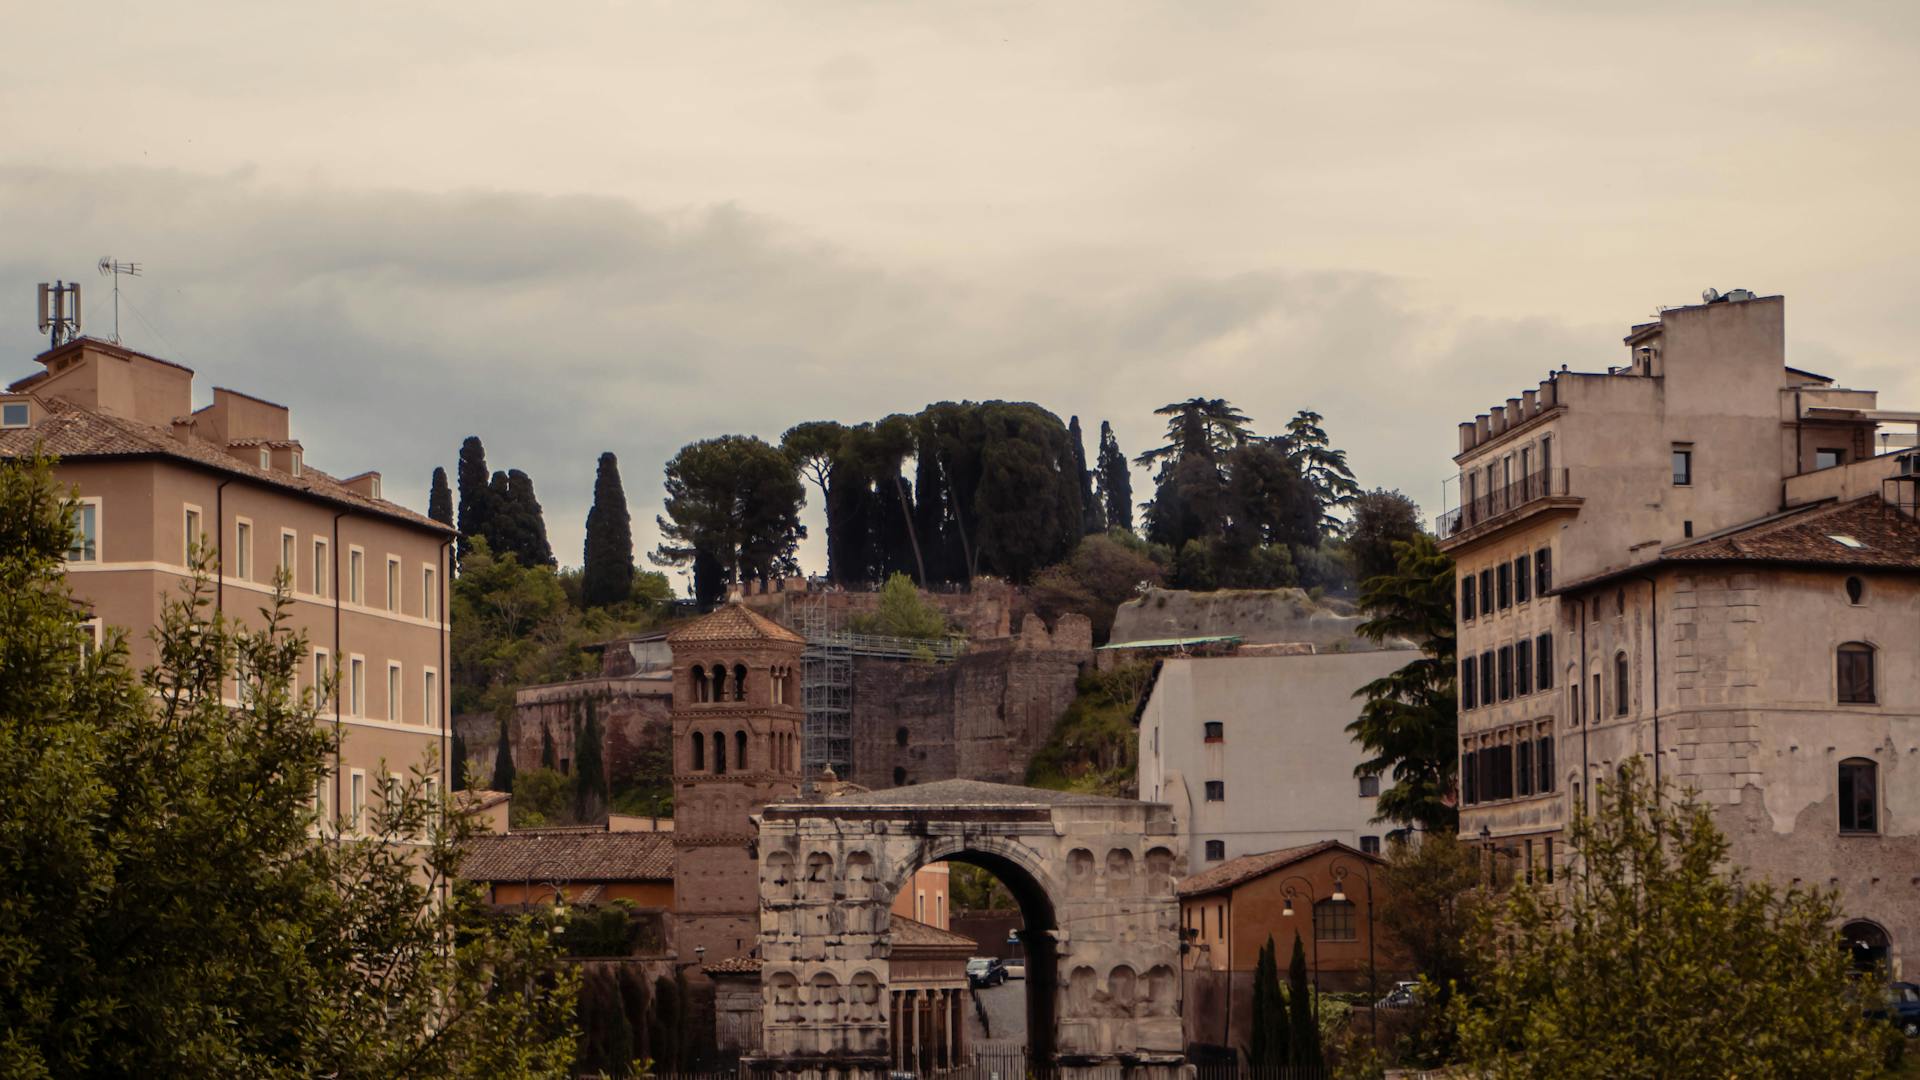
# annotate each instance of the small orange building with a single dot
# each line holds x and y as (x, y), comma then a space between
(583, 866)
(1324, 892)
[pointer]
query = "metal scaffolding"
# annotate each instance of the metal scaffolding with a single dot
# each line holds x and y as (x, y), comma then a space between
(826, 682)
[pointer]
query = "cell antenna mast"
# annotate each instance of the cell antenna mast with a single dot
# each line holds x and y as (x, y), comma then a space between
(60, 312)
(117, 270)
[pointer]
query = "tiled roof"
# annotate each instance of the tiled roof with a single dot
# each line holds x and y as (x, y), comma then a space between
(734, 622)
(914, 933)
(70, 431)
(1880, 537)
(570, 855)
(1247, 867)
(734, 965)
(473, 800)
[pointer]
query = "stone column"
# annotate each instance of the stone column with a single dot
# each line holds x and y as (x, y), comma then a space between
(954, 1023)
(913, 1028)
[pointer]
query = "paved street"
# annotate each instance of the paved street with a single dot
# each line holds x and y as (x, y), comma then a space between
(1006, 1009)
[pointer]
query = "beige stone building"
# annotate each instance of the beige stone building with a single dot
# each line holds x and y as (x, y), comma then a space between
(1701, 558)
(157, 477)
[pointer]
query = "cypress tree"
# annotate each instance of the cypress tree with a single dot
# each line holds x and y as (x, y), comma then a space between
(590, 770)
(1269, 1046)
(459, 763)
(440, 498)
(546, 746)
(1303, 1038)
(530, 527)
(503, 758)
(1116, 481)
(1092, 518)
(606, 575)
(474, 493)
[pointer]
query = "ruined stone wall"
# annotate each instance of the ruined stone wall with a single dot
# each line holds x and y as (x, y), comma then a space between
(635, 713)
(981, 717)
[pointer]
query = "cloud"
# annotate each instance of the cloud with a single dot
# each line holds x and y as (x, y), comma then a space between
(555, 327)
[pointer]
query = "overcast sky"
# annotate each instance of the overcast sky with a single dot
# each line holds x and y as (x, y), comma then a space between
(570, 228)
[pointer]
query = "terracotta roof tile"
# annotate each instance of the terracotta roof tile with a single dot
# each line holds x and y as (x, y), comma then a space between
(570, 855)
(70, 431)
(734, 622)
(913, 932)
(1881, 537)
(1247, 867)
(734, 965)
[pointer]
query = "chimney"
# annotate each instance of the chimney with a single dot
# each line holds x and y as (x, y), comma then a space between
(1529, 404)
(1467, 435)
(183, 428)
(1499, 415)
(1482, 428)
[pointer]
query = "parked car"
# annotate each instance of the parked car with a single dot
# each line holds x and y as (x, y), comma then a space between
(986, 971)
(1404, 995)
(1903, 1008)
(1016, 969)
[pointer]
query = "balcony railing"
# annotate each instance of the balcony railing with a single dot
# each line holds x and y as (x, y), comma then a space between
(1495, 504)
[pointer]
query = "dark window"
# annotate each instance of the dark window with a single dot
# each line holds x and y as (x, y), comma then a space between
(1370, 786)
(1506, 672)
(1468, 683)
(1333, 921)
(1522, 579)
(1686, 529)
(1504, 576)
(1549, 860)
(1543, 571)
(1682, 467)
(1466, 598)
(1523, 668)
(1856, 673)
(1596, 697)
(1216, 791)
(740, 750)
(1620, 684)
(1486, 592)
(1859, 796)
(739, 682)
(1620, 602)
(1500, 783)
(1523, 767)
(720, 753)
(699, 752)
(1216, 850)
(1573, 704)
(1543, 665)
(1856, 589)
(900, 737)
(1543, 764)
(899, 777)
(1370, 845)
(1215, 731)
(1487, 684)
(1469, 768)
(1827, 458)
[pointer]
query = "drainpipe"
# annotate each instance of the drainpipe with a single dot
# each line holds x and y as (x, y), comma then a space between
(1586, 775)
(334, 582)
(1653, 602)
(447, 765)
(219, 547)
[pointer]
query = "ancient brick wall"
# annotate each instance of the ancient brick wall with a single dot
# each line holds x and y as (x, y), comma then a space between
(635, 713)
(981, 717)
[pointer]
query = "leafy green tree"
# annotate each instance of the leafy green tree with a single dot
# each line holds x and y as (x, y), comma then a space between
(903, 612)
(1409, 724)
(440, 498)
(516, 525)
(475, 493)
(1380, 519)
(1303, 1032)
(503, 771)
(512, 626)
(1093, 517)
(1104, 572)
(1268, 1046)
(590, 769)
(735, 500)
(1267, 502)
(1198, 425)
(166, 909)
(1431, 888)
(1325, 468)
(1654, 960)
(542, 797)
(1116, 481)
(607, 563)
(813, 447)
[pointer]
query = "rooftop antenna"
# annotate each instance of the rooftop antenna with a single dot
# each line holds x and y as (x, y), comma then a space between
(60, 312)
(117, 270)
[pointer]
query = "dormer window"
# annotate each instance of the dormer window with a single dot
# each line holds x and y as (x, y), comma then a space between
(373, 487)
(266, 458)
(14, 414)
(295, 469)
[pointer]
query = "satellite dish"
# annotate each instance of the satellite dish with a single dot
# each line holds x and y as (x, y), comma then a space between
(1709, 294)
(106, 264)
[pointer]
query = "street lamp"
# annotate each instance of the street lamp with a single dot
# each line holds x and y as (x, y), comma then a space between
(1287, 911)
(1340, 869)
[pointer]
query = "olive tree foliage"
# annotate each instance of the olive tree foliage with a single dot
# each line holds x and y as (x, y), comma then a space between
(170, 905)
(1653, 959)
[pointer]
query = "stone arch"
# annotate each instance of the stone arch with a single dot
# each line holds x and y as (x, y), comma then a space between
(823, 998)
(699, 743)
(740, 750)
(780, 872)
(1079, 872)
(702, 690)
(717, 690)
(1868, 944)
(739, 682)
(1161, 868)
(719, 753)
(783, 996)
(1119, 872)
(819, 877)
(864, 997)
(1122, 989)
(859, 872)
(1163, 991)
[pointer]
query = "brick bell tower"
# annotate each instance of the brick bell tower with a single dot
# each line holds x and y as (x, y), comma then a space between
(736, 747)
